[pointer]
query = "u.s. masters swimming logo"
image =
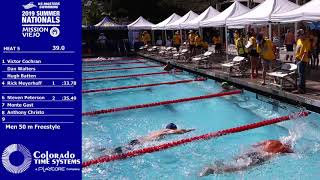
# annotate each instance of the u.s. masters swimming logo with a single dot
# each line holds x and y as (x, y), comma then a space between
(29, 6)
(16, 158)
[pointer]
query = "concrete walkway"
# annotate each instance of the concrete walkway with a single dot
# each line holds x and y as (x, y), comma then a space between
(310, 100)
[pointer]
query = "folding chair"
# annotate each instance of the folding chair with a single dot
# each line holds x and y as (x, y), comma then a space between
(238, 66)
(183, 53)
(286, 76)
(202, 59)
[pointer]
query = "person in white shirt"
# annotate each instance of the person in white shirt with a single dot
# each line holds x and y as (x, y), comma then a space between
(102, 40)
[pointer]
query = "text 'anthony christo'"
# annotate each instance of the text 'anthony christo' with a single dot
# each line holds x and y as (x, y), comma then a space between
(24, 83)
(24, 112)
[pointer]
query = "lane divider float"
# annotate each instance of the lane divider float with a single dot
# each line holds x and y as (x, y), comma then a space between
(119, 69)
(106, 111)
(114, 64)
(111, 60)
(142, 85)
(126, 76)
(109, 158)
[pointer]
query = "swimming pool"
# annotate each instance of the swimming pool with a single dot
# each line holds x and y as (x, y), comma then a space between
(208, 115)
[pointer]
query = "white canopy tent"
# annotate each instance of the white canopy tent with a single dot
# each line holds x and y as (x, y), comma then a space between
(307, 12)
(186, 18)
(194, 24)
(262, 13)
(107, 23)
(161, 26)
(140, 24)
(234, 10)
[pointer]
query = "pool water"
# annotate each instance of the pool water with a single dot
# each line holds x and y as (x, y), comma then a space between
(208, 115)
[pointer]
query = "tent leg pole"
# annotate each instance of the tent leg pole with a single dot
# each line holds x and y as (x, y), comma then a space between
(296, 25)
(295, 30)
(181, 35)
(226, 37)
(162, 34)
(152, 31)
(279, 34)
(165, 36)
(270, 31)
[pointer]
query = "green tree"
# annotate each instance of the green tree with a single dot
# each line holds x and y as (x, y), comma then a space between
(92, 11)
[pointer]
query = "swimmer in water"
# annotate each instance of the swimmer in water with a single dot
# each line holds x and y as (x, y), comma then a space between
(148, 89)
(170, 129)
(226, 86)
(260, 153)
(168, 67)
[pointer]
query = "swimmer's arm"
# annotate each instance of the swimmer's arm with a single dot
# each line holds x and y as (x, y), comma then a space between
(259, 144)
(180, 131)
(207, 171)
(234, 168)
(218, 170)
(288, 149)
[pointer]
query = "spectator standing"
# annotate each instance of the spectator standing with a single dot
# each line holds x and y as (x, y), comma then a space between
(253, 54)
(240, 46)
(177, 40)
(159, 41)
(302, 59)
(216, 40)
(146, 38)
(191, 41)
(169, 42)
(266, 49)
(289, 42)
(207, 37)
(198, 42)
(102, 41)
(235, 36)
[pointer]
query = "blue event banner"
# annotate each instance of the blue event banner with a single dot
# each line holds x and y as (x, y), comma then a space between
(40, 129)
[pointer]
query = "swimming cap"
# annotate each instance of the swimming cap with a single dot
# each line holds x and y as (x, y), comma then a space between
(171, 126)
(225, 84)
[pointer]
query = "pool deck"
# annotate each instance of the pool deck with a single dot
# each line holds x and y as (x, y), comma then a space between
(310, 100)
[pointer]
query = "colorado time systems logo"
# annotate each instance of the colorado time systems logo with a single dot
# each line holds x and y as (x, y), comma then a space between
(7, 161)
(29, 6)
